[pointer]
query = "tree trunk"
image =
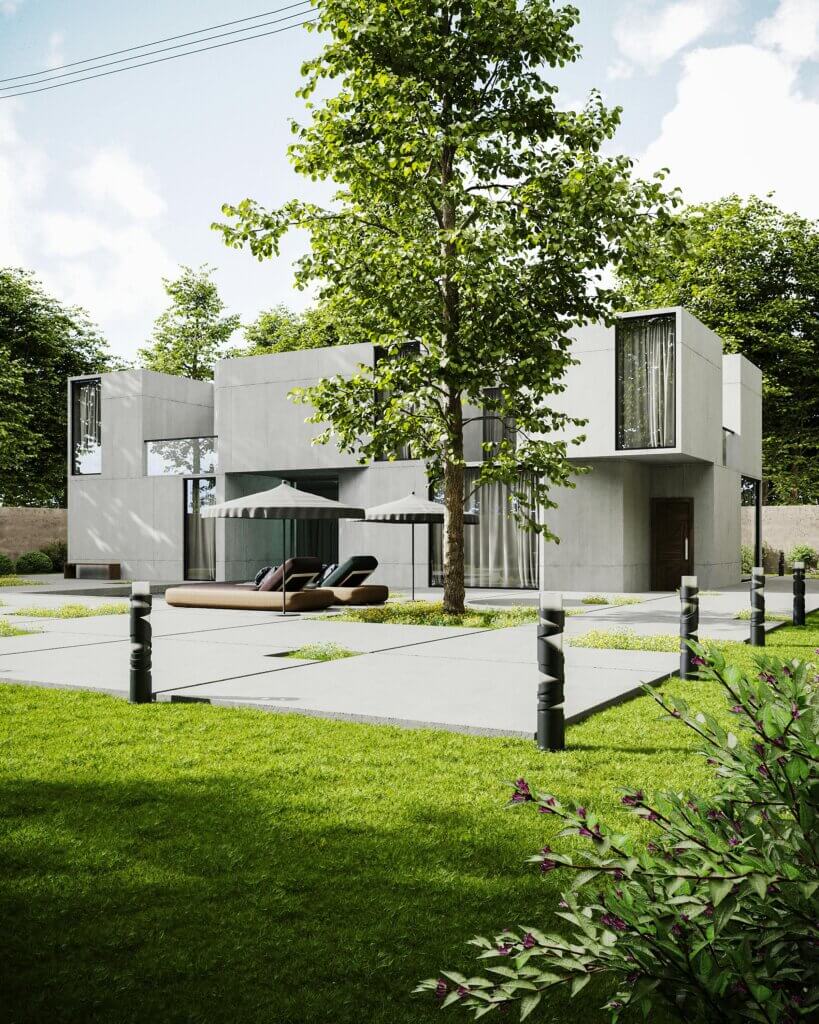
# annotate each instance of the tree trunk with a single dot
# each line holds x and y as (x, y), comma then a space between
(453, 547)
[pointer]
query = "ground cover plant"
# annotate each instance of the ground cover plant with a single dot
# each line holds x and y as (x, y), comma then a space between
(170, 861)
(73, 611)
(431, 613)
(715, 919)
(7, 629)
(18, 581)
(322, 652)
(745, 614)
(625, 640)
(617, 602)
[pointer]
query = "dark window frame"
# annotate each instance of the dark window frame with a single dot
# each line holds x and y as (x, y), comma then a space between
(75, 439)
(618, 394)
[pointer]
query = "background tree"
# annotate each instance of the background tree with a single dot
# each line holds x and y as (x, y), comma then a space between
(42, 343)
(750, 272)
(471, 219)
(192, 333)
(280, 329)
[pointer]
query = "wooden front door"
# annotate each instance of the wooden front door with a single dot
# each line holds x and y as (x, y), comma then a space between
(672, 541)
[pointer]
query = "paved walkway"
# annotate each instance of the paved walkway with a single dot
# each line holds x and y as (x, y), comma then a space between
(457, 679)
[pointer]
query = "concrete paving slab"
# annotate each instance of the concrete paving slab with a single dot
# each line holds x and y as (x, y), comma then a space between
(388, 688)
(49, 641)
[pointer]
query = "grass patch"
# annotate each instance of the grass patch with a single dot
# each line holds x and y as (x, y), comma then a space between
(74, 611)
(616, 602)
(7, 630)
(192, 863)
(769, 617)
(322, 652)
(18, 581)
(431, 613)
(626, 640)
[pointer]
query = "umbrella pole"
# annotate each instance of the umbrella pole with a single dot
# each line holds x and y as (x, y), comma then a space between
(285, 546)
(413, 561)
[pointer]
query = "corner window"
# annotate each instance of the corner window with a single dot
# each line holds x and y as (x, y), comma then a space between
(182, 456)
(646, 382)
(86, 429)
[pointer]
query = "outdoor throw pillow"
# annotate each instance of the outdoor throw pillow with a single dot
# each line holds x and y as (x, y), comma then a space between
(260, 575)
(267, 581)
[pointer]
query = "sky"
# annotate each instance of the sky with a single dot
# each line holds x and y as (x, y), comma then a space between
(109, 185)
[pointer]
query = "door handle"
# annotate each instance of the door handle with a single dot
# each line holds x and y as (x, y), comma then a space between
(686, 547)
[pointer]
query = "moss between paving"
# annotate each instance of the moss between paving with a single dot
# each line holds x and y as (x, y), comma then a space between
(185, 863)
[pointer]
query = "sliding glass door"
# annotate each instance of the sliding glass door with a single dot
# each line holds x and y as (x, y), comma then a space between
(497, 552)
(200, 534)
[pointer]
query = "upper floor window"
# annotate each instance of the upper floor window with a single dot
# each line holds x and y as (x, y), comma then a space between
(86, 430)
(181, 456)
(646, 386)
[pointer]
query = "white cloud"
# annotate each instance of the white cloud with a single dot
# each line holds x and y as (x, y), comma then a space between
(111, 176)
(740, 124)
(100, 248)
(648, 34)
(620, 69)
(793, 29)
(55, 57)
(9, 7)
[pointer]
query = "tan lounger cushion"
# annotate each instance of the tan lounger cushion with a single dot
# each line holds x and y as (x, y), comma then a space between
(368, 593)
(242, 595)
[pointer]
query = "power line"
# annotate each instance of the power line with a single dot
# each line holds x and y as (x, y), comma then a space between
(150, 53)
(155, 42)
(157, 60)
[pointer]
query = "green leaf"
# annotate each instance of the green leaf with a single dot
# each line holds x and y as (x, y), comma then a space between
(529, 1003)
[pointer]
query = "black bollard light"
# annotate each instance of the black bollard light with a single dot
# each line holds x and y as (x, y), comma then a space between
(781, 563)
(141, 689)
(689, 624)
(799, 593)
(551, 723)
(757, 606)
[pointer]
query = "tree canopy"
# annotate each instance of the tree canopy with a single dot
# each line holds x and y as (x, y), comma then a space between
(192, 333)
(42, 343)
(750, 272)
(472, 220)
(280, 329)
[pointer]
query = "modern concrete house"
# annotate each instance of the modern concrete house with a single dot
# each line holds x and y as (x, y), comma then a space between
(673, 446)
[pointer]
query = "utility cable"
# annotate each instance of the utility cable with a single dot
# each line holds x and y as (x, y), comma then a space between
(155, 42)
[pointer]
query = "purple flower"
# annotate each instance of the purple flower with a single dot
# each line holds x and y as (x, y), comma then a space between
(763, 770)
(618, 874)
(463, 991)
(759, 750)
(737, 709)
(441, 989)
(547, 865)
(652, 848)
(697, 660)
(795, 712)
(522, 792)
(633, 977)
(714, 814)
(633, 799)
(709, 910)
(503, 950)
(785, 670)
(733, 841)
(677, 930)
(674, 713)
(617, 924)
(581, 812)
(563, 904)
(528, 940)
(652, 816)
(547, 805)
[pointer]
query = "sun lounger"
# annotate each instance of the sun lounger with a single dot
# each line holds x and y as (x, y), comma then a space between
(347, 582)
(245, 596)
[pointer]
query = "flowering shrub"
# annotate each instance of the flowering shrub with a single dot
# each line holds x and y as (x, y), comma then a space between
(715, 919)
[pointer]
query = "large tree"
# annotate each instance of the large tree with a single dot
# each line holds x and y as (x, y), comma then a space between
(281, 329)
(470, 224)
(750, 272)
(42, 343)
(192, 333)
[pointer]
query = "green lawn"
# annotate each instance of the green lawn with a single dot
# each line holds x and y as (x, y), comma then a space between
(182, 863)
(321, 652)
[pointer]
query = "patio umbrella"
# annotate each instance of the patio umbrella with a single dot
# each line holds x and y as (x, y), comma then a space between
(282, 502)
(412, 510)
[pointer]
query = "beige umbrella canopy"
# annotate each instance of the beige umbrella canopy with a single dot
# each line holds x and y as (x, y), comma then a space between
(412, 510)
(282, 502)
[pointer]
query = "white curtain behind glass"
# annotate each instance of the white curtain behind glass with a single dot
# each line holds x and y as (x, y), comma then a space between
(87, 454)
(646, 382)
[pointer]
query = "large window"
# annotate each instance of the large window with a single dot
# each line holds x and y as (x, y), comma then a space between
(497, 552)
(646, 382)
(86, 430)
(183, 456)
(200, 534)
